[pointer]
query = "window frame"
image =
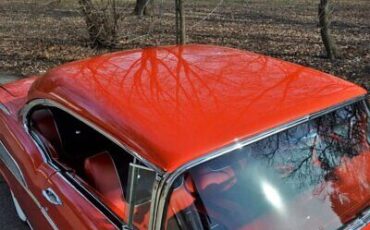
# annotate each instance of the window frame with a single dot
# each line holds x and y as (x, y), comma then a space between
(33, 105)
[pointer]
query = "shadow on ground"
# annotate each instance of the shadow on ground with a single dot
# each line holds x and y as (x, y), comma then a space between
(8, 215)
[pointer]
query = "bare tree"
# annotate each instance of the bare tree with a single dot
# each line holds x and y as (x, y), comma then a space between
(143, 7)
(324, 21)
(180, 22)
(101, 21)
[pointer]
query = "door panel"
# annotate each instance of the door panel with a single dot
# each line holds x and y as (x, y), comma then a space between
(26, 199)
(19, 162)
(75, 211)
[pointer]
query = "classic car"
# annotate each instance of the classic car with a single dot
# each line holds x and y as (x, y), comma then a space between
(186, 137)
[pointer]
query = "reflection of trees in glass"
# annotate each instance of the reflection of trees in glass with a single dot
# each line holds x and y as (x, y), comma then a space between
(307, 154)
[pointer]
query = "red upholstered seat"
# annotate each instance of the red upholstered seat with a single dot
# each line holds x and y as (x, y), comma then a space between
(44, 125)
(102, 175)
(223, 179)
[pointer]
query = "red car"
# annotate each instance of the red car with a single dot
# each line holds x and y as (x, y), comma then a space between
(186, 137)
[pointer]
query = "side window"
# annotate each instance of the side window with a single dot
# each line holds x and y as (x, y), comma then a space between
(96, 163)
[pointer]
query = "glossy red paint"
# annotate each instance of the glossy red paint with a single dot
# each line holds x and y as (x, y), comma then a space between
(170, 104)
(13, 95)
(76, 211)
(175, 104)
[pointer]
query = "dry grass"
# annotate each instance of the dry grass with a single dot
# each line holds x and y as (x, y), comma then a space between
(35, 35)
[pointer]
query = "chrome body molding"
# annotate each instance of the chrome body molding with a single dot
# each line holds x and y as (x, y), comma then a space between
(13, 167)
(4, 109)
(11, 164)
(49, 103)
(51, 222)
(169, 178)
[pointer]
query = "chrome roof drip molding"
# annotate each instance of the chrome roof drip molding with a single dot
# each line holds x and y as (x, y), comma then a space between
(24, 115)
(169, 178)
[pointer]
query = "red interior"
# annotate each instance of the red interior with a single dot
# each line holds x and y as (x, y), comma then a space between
(43, 123)
(347, 195)
(102, 173)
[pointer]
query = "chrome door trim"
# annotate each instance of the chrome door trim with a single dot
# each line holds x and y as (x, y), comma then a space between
(24, 113)
(11, 164)
(22, 182)
(51, 196)
(169, 178)
(4, 109)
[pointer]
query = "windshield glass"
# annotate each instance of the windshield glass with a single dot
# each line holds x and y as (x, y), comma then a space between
(312, 176)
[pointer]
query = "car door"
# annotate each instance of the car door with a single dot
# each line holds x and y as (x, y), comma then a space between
(90, 189)
(69, 208)
(66, 202)
(20, 163)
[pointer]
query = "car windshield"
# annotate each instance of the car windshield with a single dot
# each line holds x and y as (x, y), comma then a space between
(313, 176)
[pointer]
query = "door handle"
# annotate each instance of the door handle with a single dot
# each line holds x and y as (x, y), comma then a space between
(51, 196)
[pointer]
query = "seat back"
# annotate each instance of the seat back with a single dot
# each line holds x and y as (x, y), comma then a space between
(43, 123)
(222, 179)
(102, 174)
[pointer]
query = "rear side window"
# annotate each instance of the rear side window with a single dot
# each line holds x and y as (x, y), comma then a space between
(99, 166)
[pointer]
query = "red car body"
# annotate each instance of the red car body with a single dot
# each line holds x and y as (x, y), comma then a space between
(169, 107)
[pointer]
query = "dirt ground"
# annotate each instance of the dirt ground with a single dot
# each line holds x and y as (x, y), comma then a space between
(37, 35)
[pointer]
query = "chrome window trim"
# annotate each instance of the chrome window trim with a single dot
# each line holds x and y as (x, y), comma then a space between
(169, 178)
(86, 190)
(46, 158)
(41, 148)
(50, 103)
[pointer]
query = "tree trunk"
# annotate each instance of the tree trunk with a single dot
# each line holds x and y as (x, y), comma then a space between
(143, 7)
(180, 23)
(324, 21)
(101, 23)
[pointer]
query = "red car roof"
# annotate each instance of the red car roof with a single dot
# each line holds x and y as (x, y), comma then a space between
(177, 103)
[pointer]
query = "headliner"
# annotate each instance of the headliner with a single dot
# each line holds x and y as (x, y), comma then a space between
(177, 103)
